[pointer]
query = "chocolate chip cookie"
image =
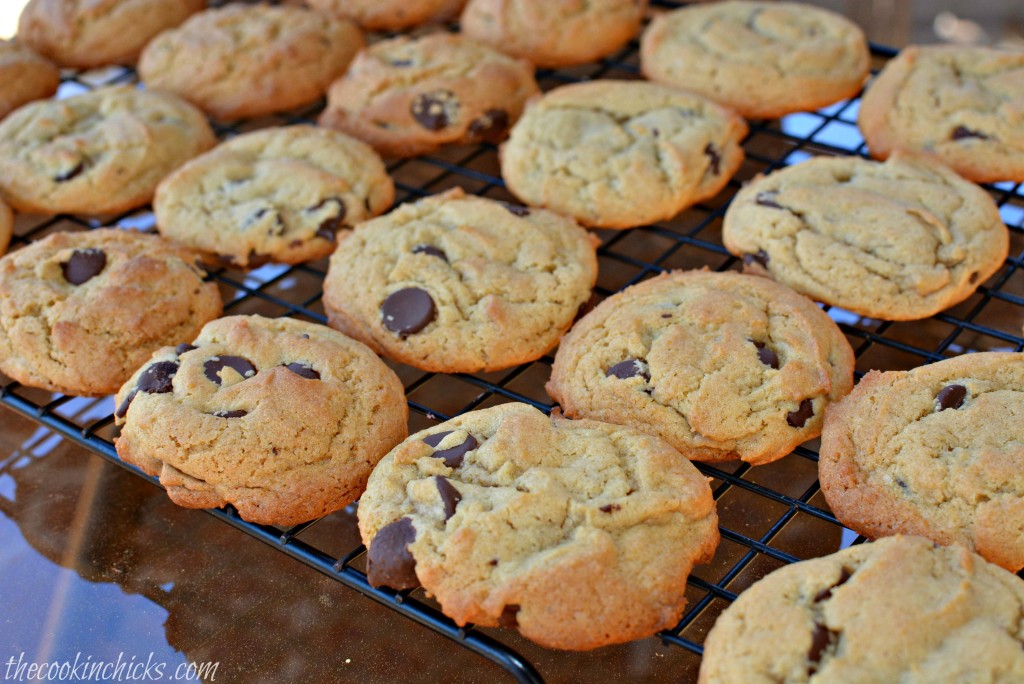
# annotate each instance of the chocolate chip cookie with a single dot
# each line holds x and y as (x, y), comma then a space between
(278, 194)
(409, 96)
(959, 103)
(79, 312)
(454, 283)
(554, 34)
(85, 34)
(896, 241)
(721, 365)
(578, 533)
(390, 15)
(243, 60)
(280, 418)
(897, 610)
(101, 152)
(764, 59)
(619, 154)
(935, 451)
(24, 76)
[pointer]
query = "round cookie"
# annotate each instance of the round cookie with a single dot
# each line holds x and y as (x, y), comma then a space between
(897, 610)
(764, 59)
(280, 418)
(935, 451)
(619, 154)
(578, 533)
(961, 104)
(243, 61)
(84, 34)
(456, 283)
(79, 312)
(390, 15)
(554, 34)
(901, 240)
(409, 96)
(722, 366)
(24, 76)
(102, 152)
(278, 194)
(6, 226)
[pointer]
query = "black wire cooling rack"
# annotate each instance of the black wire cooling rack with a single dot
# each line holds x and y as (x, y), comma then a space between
(770, 515)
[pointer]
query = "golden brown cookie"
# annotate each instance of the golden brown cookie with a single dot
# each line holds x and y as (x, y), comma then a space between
(24, 76)
(390, 15)
(6, 226)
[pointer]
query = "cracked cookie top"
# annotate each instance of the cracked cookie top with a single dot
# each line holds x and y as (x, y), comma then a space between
(409, 96)
(79, 312)
(935, 451)
(242, 61)
(764, 59)
(896, 610)
(554, 34)
(897, 241)
(961, 104)
(619, 154)
(456, 283)
(578, 533)
(277, 194)
(282, 419)
(721, 365)
(390, 15)
(24, 76)
(101, 152)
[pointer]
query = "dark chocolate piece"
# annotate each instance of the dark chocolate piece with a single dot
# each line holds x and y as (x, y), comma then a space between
(961, 132)
(508, 617)
(430, 250)
(408, 311)
(491, 127)
(767, 356)
(449, 495)
(83, 265)
(303, 370)
(950, 397)
(389, 562)
(454, 456)
(799, 417)
(431, 110)
(236, 413)
(760, 258)
(630, 368)
(214, 366)
(716, 160)
(767, 199)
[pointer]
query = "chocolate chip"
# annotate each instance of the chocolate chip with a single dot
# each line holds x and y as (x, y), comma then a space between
(122, 410)
(630, 368)
(901, 483)
(303, 370)
(517, 209)
(389, 562)
(236, 413)
(493, 562)
(760, 258)
(185, 347)
(821, 639)
(716, 160)
(157, 378)
(666, 315)
(71, 173)
(610, 508)
(826, 594)
(950, 397)
(276, 228)
(973, 278)
(449, 495)
(408, 311)
(401, 62)
(454, 456)
(799, 417)
(767, 199)
(328, 227)
(83, 265)
(961, 132)
(214, 366)
(766, 355)
(430, 250)
(491, 127)
(508, 616)
(435, 110)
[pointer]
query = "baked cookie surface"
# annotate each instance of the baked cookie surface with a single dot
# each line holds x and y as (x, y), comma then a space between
(961, 104)
(762, 59)
(282, 419)
(935, 451)
(901, 240)
(722, 366)
(390, 15)
(457, 283)
(896, 610)
(578, 533)
(24, 76)
(80, 312)
(554, 34)
(277, 194)
(6, 226)
(244, 61)
(85, 34)
(409, 96)
(101, 152)
(619, 154)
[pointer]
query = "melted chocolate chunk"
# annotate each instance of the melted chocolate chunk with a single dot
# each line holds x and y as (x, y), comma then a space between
(70, 173)
(630, 368)
(767, 199)
(185, 347)
(821, 639)
(303, 370)
(236, 413)
(214, 366)
(716, 160)
(122, 410)
(389, 562)
(83, 265)
(973, 278)
(491, 127)
(454, 456)
(610, 508)
(449, 495)
(826, 594)
(330, 226)
(950, 397)
(157, 379)
(961, 132)
(799, 417)
(508, 616)
(430, 250)
(760, 258)
(767, 356)
(434, 110)
(517, 209)
(408, 311)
